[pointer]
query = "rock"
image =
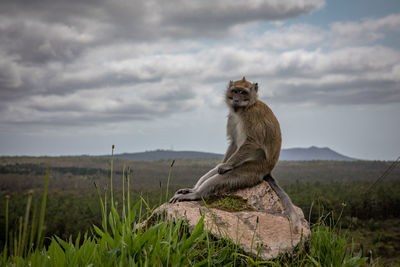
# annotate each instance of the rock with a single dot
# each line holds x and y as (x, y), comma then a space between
(262, 221)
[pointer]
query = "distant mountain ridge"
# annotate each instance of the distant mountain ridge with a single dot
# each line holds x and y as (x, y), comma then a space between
(291, 154)
(312, 153)
(160, 154)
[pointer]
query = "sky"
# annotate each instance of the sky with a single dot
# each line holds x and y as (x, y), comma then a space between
(79, 76)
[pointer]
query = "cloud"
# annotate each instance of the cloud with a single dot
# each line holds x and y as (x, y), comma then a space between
(367, 31)
(213, 17)
(105, 106)
(126, 61)
(36, 42)
(156, 86)
(349, 76)
(345, 92)
(290, 37)
(154, 19)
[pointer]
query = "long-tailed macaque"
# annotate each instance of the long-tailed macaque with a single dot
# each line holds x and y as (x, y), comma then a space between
(255, 143)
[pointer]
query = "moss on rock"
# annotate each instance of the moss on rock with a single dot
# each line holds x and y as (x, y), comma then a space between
(229, 203)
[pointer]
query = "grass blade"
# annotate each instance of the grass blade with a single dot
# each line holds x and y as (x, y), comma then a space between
(26, 220)
(169, 177)
(39, 239)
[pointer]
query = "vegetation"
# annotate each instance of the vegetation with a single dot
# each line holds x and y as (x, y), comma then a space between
(357, 223)
(165, 244)
(229, 203)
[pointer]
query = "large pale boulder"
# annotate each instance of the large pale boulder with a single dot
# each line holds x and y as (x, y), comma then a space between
(261, 223)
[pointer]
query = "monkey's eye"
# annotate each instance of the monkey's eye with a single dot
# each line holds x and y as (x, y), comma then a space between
(234, 91)
(242, 92)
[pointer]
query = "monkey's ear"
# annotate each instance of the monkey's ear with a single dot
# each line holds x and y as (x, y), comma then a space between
(256, 87)
(230, 84)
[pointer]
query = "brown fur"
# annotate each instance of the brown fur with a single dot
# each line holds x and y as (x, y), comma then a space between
(263, 132)
(255, 143)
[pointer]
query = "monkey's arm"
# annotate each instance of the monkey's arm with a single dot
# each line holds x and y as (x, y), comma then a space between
(231, 149)
(247, 152)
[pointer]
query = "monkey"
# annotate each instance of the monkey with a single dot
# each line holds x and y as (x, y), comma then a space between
(255, 143)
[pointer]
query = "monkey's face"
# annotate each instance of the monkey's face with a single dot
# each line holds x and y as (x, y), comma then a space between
(241, 94)
(238, 98)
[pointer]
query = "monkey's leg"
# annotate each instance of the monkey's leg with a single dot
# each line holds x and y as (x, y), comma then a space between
(247, 152)
(229, 152)
(287, 203)
(206, 176)
(203, 190)
(212, 185)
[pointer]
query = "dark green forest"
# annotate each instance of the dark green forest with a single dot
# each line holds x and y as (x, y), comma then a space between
(338, 191)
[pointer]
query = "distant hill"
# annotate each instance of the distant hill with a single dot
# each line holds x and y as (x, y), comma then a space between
(312, 153)
(168, 154)
(291, 154)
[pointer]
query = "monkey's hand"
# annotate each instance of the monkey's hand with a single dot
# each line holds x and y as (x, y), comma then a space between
(184, 191)
(186, 197)
(223, 168)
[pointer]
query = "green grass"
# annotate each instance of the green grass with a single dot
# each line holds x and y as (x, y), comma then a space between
(229, 203)
(169, 244)
(121, 240)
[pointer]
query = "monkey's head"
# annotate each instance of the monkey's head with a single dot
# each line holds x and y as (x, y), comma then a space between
(241, 94)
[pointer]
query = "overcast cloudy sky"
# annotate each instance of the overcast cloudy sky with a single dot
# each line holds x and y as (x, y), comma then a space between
(79, 76)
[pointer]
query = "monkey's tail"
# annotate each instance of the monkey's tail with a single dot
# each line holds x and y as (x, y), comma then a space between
(278, 190)
(268, 177)
(286, 201)
(274, 184)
